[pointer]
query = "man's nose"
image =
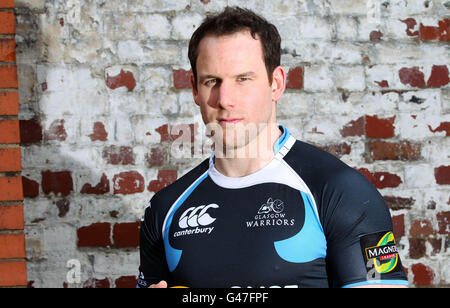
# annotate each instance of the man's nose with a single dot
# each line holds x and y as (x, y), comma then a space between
(225, 97)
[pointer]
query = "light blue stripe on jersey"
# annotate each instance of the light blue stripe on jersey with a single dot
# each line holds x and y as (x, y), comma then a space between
(173, 255)
(281, 141)
(377, 282)
(308, 244)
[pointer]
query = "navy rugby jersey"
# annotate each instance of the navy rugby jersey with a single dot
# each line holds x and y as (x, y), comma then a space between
(304, 220)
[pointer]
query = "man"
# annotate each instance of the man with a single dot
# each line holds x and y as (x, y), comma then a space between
(289, 216)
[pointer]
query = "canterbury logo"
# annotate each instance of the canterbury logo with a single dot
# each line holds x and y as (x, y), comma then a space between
(197, 216)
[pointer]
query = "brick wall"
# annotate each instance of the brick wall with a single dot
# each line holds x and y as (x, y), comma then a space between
(13, 271)
(104, 98)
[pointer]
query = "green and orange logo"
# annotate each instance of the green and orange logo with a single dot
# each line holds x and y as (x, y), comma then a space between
(385, 254)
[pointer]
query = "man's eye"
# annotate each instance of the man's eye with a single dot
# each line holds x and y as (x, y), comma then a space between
(243, 79)
(210, 82)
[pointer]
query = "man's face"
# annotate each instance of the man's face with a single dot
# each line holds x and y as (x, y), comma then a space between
(233, 88)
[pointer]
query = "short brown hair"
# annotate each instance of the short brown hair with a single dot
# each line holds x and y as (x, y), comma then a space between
(235, 19)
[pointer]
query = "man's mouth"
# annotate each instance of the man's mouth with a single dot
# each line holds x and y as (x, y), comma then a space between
(228, 121)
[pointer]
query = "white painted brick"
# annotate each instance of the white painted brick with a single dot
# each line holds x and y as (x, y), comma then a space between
(402, 8)
(208, 7)
(161, 53)
(378, 73)
(153, 26)
(188, 108)
(323, 129)
(144, 129)
(316, 51)
(348, 7)
(419, 176)
(346, 28)
(419, 101)
(155, 79)
(119, 26)
(318, 78)
(350, 78)
(295, 104)
(130, 51)
(157, 5)
(126, 263)
(185, 25)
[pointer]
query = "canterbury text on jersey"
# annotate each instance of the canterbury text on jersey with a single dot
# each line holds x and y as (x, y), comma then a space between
(304, 220)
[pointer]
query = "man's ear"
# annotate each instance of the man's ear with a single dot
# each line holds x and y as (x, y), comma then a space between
(278, 83)
(194, 89)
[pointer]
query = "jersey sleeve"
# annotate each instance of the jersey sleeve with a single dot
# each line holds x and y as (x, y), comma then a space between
(153, 266)
(361, 248)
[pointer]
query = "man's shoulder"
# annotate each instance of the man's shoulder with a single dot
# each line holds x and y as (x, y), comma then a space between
(318, 167)
(170, 193)
(306, 156)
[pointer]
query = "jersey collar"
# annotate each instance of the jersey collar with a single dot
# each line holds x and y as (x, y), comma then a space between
(281, 147)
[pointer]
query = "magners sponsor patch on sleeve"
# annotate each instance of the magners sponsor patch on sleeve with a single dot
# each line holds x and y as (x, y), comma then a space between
(380, 252)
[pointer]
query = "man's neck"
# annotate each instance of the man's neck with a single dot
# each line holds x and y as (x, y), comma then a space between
(242, 165)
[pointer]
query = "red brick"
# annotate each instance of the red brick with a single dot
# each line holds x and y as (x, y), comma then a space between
(421, 227)
(443, 127)
(115, 155)
(338, 149)
(412, 76)
(182, 79)
(379, 128)
(30, 131)
(439, 76)
(130, 182)
(156, 157)
(99, 189)
(7, 4)
(183, 132)
(441, 32)
(423, 275)
(11, 217)
(9, 131)
(295, 78)
(165, 178)
(9, 76)
(30, 188)
(12, 246)
(126, 234)
(13, 274)
(354, 128)
(11, 189)
(383, 83)
(9, 103)
(10, 160)
(399, 203)
(403, 150)
(163, 130)
(398, 223)
(381, 179)
(56, 131)
(410, 25)
(94, 235)
(375, 36)
(94, 283)
(417, 248)
(99, 132)
(7, 23)
(442, 175)
(123, 79)
(63, 206)
(443, 219)
(7, 50)
(59, 182)
(126, 282)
